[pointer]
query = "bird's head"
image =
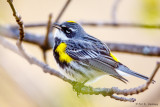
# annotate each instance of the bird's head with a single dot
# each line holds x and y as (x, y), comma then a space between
(69, 30)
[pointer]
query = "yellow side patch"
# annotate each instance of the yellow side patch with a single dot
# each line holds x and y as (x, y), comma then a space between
(71, 21)
(114, 57)
(63, 56)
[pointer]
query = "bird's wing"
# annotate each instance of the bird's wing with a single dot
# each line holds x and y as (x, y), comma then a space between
(89, 54)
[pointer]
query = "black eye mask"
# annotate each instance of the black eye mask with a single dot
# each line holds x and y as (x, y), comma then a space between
(66, 30)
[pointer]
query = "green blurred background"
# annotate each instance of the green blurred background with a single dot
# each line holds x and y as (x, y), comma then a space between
(25, 85)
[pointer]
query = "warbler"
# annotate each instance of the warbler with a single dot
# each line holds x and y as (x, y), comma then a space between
(84, 58)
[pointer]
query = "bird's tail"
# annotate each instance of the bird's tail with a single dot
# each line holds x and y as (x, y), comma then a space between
(125, 69)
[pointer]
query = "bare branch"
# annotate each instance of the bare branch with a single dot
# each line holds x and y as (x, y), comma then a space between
(123, 98)
(153, 74)
(135, 49)
(48, 31)
(86, 89)
(18, 20)
(9, 46)
(32, 60)
(138, 89)
(46, 43)
(13, 32)
(103, 24)
(21, 31)
(119, 24)
(63, 10)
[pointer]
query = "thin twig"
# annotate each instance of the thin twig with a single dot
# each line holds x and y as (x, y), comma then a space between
(61, 13)
(138, 89)
(21, 30)
(123, 98)
(63, 10)
(45, 46)
(114, 10)
(18, 20)
(153, 74)
(49, 25)
(30, 59)
(50, 28)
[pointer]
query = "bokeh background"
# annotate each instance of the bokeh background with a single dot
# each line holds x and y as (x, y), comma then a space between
(25, 85)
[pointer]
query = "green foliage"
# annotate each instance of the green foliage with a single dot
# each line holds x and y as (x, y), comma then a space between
(150, 11)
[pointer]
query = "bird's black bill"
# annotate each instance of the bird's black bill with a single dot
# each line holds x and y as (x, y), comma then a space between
(56, 25)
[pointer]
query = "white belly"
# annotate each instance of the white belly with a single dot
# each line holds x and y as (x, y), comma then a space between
(81, 73)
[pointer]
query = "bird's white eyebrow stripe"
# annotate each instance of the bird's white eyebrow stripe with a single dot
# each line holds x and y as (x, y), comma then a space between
(72, 29)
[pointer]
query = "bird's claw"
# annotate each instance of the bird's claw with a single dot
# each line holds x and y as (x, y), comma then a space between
(77, 86)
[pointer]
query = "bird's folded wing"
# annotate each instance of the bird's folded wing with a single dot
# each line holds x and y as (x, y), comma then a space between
(89, 54)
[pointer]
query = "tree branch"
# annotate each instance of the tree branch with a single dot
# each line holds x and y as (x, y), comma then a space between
(63, 10)
(85, 89)
(38, 40)
(18, 20)
(103, 24)
(135, 49)
(48, 33)
(21, 31)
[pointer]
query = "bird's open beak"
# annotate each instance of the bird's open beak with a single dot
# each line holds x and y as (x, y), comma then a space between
(56, 25)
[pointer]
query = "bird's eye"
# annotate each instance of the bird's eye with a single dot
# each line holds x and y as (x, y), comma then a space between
(66, 30)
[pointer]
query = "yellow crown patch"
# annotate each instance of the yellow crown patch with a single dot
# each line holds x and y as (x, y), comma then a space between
(70, 21)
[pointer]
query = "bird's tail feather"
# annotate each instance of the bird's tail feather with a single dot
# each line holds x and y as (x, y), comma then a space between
(125, 69)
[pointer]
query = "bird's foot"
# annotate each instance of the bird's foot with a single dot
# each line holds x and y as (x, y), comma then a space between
(77, 86)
